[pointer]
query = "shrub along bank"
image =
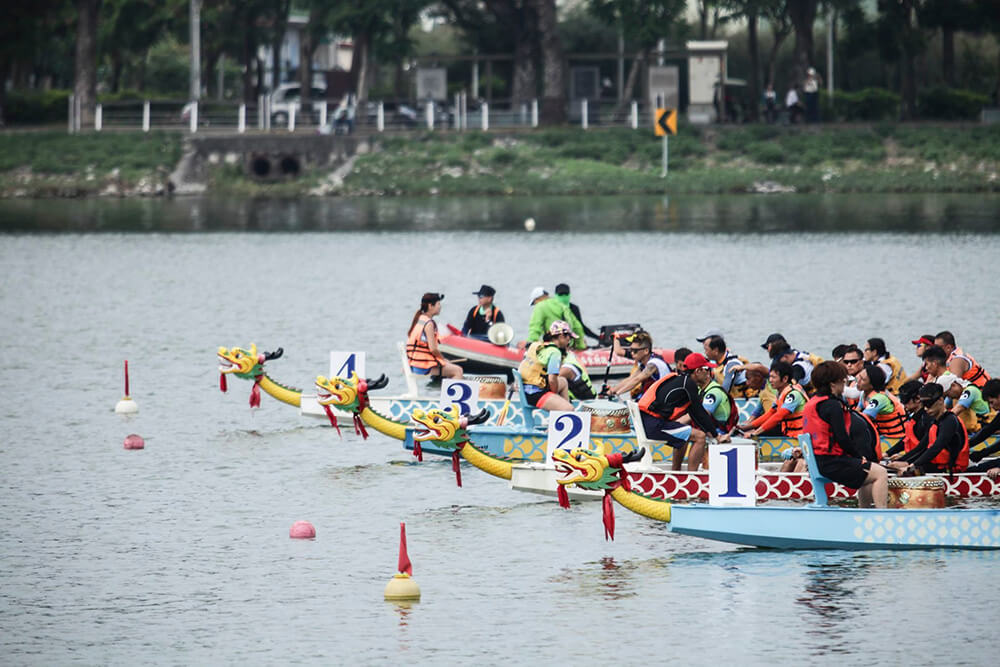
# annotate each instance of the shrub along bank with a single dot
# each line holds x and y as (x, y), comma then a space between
(874, 158)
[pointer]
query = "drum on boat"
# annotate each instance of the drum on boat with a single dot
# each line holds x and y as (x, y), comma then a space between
(490, 386)
(916, 493)
(607, 417)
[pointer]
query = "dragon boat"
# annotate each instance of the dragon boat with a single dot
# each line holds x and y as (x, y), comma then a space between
(249, 365)
(816, 526)
(480, 356)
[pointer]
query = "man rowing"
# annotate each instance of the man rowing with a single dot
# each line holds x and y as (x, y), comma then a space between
(945, 446)
(960, 363)
(917, 422)
(666, 404)
(544, 387)
(991, 392)
(545, 312)
(785, 416)
(728, 366)
(483, 315)
(647, 369)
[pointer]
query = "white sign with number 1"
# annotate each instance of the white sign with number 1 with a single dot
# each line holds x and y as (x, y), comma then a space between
(732, 481)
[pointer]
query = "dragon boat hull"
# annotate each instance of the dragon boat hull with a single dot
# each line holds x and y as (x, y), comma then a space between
(399, 408)
(840, 528)
(655, 482)
(479, 356)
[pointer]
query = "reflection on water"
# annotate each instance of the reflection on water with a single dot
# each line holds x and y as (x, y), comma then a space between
(718, 213)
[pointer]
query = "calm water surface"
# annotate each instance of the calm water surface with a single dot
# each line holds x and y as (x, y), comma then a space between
(179, 554)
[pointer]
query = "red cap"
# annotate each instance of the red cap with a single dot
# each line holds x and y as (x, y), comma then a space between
(923, 340)
(697, 360)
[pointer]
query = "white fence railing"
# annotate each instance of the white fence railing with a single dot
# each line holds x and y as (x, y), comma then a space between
(326, 117)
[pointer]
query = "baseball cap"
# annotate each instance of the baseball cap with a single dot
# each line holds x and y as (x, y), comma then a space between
(711, 333)
(485, 290)
(697, 360)
(925, 339)
(948, 379)
(560, 327)
(562, 288)
(537, 292)
(773, 338)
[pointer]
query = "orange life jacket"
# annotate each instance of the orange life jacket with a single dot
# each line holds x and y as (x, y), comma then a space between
(792, 424)
(976, 374)
(891, 425)
(647, 400)
(943, 459)
(823, 443)
(418, 352)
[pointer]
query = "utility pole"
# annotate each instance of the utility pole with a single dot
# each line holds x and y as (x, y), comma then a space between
(195, 92)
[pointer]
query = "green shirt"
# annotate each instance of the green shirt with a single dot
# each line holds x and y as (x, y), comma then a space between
(715, 402)
(548, 311)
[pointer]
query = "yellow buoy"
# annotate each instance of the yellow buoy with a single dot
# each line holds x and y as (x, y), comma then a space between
(402, 587)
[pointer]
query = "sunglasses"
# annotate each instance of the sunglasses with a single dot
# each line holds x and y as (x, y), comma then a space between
(637, 349)
(852, 361)
(928, 402)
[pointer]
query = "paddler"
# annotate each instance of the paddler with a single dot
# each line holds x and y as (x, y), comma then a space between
(945, 446)
(483, 315)
(827, 421)
(728, 366)
(966, 400)
(960, 363)
(647, 369)
(544, 388)
(422, 342)
(784, 418)
(668, 401)
(917, 421)
(875, 353)
(879, 405)
(991, 392)
(920, 346)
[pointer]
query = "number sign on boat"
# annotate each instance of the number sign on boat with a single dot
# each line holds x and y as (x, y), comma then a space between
(463, 393)
(568, 431)
(731, 476)
(342, 364)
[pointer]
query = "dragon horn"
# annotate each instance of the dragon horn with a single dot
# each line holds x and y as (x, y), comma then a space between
(479, 418)
(269, 356)
(378, 383)
(634, 455)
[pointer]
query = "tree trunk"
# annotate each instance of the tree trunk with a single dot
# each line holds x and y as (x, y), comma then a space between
(948, 55)
(753, 114)
(85, 69)
(802, 14)
(117, 65)
(248, 59)
(305, 67)
(772, 55)
(628, 94)
(4, 73)
(907, 65)
(359, 66)
(553, 107)
(524, 87)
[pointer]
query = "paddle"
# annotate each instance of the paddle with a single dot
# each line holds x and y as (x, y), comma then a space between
(502, 415)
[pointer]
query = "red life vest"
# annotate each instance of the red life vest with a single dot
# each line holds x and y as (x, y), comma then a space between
(943, 458)
(792, 424)
(823, 443)
(650, 396)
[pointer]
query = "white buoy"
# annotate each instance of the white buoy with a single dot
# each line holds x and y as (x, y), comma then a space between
(529, 225)
(126, 406)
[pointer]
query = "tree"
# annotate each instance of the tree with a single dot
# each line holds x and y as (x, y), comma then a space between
(130, 27)
(950, 16)
(643, 23)
(85, 67)
(26, 26)
(802, 14)
(752, 11)
(902, 41)
(553, 107)
(781, 28)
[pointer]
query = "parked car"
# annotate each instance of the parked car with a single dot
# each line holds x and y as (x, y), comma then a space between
(287, 94)
(395, 114)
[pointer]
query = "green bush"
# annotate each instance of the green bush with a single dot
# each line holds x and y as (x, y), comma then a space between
(875, 104)
(766, 152)
(35, 107)
(950, 104)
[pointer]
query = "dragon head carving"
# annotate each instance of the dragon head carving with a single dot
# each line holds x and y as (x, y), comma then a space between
(245, 364)
(591, 470)
(349, 394)
(444, 426)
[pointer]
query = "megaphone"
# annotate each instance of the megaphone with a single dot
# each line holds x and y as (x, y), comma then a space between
(500, 333)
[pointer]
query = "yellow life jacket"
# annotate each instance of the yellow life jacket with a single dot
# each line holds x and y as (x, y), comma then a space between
(898, 374)
(532, 370)
(719, 374)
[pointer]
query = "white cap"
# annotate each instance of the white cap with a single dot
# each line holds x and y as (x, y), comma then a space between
(536, 293)
(709, 334)
(948, 379)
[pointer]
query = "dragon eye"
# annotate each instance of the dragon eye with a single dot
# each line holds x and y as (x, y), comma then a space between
(437, 419)
(578, 456)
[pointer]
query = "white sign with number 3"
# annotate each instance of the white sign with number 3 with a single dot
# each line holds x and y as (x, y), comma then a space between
(462, 392)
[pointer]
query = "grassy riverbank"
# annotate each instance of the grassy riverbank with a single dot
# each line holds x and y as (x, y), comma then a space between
(882, 158)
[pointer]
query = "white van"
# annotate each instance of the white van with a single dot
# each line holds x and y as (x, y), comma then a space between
(288, 94)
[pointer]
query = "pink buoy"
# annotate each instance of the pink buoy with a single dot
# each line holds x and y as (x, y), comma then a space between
(302, 530)
(134, 441)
